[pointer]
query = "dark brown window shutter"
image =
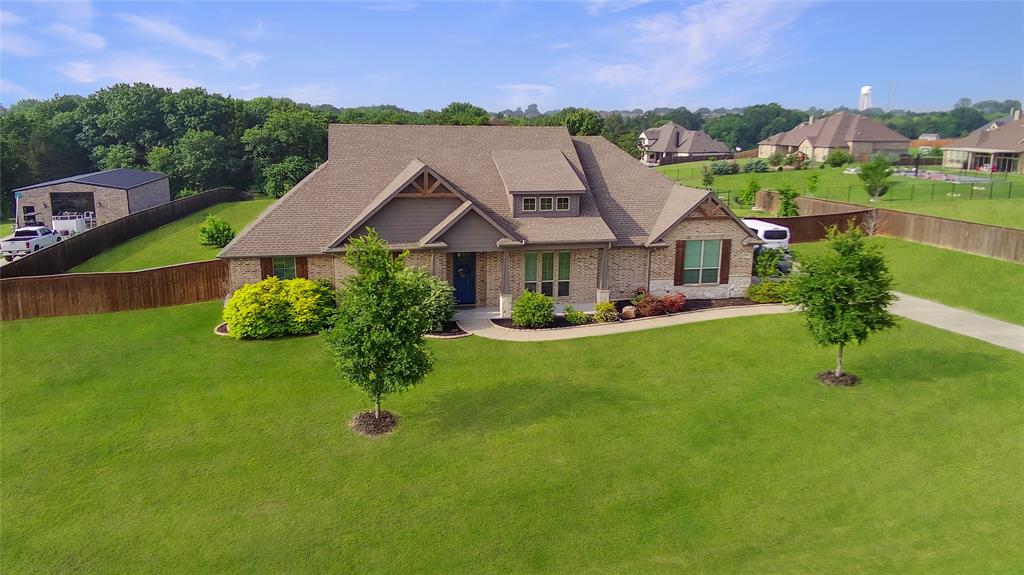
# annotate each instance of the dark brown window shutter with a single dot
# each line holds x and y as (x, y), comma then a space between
(266, 267)
(301, 267)
(680, 254)
(723, 275)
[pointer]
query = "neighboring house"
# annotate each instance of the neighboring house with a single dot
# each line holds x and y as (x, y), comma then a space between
(999, 149)
(859, 135)
(998, 122)
(102, 196)
(497, 210)
(671, 142)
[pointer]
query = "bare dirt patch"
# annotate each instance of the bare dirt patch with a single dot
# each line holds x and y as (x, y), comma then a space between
(365, 423)
(845, 380)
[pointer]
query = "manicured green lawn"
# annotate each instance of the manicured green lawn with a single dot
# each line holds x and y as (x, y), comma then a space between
(145, 443)
(175, 243)
(985, 285)
(1000, 202)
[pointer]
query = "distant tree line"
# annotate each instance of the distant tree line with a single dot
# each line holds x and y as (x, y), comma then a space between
(203, 140)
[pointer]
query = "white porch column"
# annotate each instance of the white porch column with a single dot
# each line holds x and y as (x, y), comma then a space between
(505, 298)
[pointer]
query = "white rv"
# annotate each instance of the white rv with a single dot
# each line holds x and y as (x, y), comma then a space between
(774, 235)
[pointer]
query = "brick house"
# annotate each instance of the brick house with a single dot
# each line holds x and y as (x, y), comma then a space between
(671, 142)
(858, 135)
(103, 196)
(497, 210)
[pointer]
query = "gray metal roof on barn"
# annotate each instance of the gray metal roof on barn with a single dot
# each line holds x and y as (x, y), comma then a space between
(120, 178)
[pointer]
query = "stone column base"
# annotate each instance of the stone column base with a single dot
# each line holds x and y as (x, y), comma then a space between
(505, 305)
(603, 295)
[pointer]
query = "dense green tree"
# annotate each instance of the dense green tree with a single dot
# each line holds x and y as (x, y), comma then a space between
(844, 295)
(199, 159)
(116, 156)
(874, 175)
(754, 124)
(194, 109)
(280, 177)
(583, 122)
(287, 132)
(383, 312)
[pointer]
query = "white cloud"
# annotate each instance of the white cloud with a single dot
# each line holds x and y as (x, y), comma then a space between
(170, 33)
(8, 18)
(82, 38)
(393, 6)
(598, 7)
(563, 46)
(679, 51)
(522, 95)
(126, 68)
(9, 91)
(254, 32)
(19, 45)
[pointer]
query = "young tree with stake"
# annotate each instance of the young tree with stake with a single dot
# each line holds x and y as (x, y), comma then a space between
(845, 294)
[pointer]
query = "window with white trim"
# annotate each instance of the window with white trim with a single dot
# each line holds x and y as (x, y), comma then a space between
(702, 261)
(539, 272)
(284, 268)
(562, 204)
(546, 204)
(529, 204)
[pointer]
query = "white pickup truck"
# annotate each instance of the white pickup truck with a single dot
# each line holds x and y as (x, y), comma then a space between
(27, 240)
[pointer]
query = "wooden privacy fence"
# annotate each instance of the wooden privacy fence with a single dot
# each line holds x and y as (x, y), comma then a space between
(63, 256)
(981, 239)
(804, 229)
(71, 294)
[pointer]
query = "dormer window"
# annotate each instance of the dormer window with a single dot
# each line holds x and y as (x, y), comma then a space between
(562, 204)
(529, 204)
(546, 204)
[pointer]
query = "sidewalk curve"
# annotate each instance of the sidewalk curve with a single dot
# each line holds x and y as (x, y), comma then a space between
(987, 329)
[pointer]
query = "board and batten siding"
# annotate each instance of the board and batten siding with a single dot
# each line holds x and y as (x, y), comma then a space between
(406, 220)
(472, 233)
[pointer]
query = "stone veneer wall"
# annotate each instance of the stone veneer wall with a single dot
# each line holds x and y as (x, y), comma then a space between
(627, 271)
(741, 259)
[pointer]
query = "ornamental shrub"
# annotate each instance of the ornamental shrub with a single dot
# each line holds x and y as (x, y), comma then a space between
(775, 159)
(757, 165)
(639, 295)
(215, 232)
(533, 309)
(673, 302)
(650, 306)
(605, 312)
(258, 311)
(787, 202)
(768, 292)
(747, 195)
(575, 316)
(724, 167)
(440, 302)
(837, 158)
(707, 178)
(766, 262)
(312, 305)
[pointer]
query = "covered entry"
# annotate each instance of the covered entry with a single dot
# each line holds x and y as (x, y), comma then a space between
(464, 277)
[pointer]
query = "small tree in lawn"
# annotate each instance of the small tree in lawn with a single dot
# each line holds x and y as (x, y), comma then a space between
(875, 176)
(787, 202)
(844, 295)
(812, 184)
(707, 178)
(377, 338)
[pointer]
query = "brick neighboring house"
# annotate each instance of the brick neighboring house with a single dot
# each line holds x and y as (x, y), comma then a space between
(858, 135)
(671, 141)
(107, 196)
(496, 210)
(993, 148)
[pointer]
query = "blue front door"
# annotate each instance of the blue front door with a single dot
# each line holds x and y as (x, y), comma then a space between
(464, 278)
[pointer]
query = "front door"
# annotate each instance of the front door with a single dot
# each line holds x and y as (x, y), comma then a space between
(464, 278)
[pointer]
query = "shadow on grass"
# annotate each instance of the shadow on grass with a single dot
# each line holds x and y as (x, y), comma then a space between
(920, 364)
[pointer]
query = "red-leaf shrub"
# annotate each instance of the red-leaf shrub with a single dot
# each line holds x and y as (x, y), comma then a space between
(650, 306)
(674, 302)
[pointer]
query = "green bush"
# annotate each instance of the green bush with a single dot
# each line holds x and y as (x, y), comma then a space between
(787, 202)
(766, 264)
(776, 159)
(747, 195)
(275, 308)
(533, 310)
(605, 312)
(707, 179)
(768, 292)
(837, 158)
(186, 193)
(278, 178)
(724, 167)
(575, 316)
(755, 166)
(440, 301)
(311, 304)
(215, 232)
(258, 311)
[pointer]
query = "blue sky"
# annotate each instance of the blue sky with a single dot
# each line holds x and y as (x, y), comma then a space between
(599, 54)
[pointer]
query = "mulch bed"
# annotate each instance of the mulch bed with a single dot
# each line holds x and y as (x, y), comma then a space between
(560, 321)
(845, 380)
(365, 423)
(221, 329)
(449, 329)
(698, 304)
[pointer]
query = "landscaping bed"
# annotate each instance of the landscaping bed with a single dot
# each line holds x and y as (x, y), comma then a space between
(450, 329)
(691, 305)
(559, 322)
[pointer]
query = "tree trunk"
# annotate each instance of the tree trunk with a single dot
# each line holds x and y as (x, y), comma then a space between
(839, 361)
(376, 401)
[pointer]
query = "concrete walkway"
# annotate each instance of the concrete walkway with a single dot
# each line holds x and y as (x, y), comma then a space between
(994, 331)
(478, 322)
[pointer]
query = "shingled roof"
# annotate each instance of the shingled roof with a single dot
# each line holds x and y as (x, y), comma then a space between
(836, 131)
(673, 138)
(1006, 138)
(620, 200)
(119, 178)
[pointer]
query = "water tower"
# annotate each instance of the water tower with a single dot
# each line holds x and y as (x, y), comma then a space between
(865, 98)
